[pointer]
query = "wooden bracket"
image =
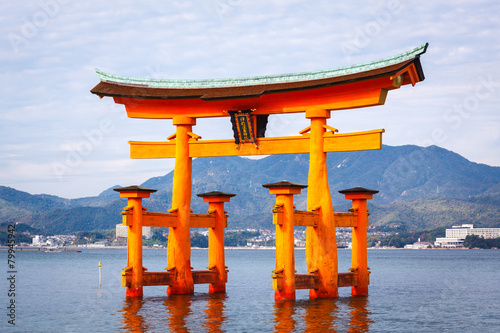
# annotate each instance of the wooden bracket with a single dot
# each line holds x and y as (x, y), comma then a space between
(334, 130)
(278, 270)
(399, 76)
(194, 136)
(305, 130)
(127, 208)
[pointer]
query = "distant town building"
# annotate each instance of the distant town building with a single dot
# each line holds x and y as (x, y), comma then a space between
(122, 231)
(456, 235)
(419, 245)
(38, 240)
(53, 241)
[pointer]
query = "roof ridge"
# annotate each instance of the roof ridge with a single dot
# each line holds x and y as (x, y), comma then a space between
(266, 79)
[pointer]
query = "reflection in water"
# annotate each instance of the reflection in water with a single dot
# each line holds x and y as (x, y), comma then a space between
(360, 319)
(208, 313)
(132, 320)
(283, 312)
(215, 312)
(323, 315)
(180, 313)
(179, 308)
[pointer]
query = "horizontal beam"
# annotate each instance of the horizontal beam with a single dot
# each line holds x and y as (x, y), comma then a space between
(200, 277)
(345, 219)
(202, 221)
(300, 218)
(150, 279)
(159, 220)
(166, 220)
(347, 279)
(356, 95)
(306, 219)
(311, 281)
(311, 219)
(306, 281)
(368, 140)
(167, 278)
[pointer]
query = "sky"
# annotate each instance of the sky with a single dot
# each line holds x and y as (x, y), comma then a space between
(57, 138)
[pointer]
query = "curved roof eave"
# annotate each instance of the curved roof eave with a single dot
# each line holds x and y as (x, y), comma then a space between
(209, 89)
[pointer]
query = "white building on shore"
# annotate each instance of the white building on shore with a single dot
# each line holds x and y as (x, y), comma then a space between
(419, 245)
(456, 235)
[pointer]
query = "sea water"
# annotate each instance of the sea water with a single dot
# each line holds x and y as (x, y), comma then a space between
(410, 291)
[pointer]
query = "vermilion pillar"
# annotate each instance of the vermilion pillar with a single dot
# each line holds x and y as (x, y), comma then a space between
(359, 195)
(285, 247)
(216, 259)
(135, 194)
(179, 241)
(321, 244)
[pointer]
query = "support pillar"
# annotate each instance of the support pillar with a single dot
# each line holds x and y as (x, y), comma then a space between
(216, 257)
(359, 195)
(284, 274)
(135, 194)
(321, 243)
(179, 241)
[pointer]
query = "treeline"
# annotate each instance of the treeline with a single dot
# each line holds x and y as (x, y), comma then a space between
(89, 237)
(239, 238)
(22, 233)
(400, 239)
(474, 241)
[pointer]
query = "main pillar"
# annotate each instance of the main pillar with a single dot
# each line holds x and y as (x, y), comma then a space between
(321, 243)
(359, 195)
(285, 248)
(179, 241)
(216, 258)
(135, 194)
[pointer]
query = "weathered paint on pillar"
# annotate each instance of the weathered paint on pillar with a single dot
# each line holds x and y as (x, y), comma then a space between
(285, 247)
(359, 198)
(135, 194)
(179, 241)
(321, 244)
(216, 257)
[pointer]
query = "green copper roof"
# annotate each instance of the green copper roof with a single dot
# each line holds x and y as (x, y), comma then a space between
(267, 79)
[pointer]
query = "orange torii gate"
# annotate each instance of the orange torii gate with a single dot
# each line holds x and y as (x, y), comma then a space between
(248, 102)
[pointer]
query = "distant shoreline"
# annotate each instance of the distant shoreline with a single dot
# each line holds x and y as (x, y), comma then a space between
(79, 249)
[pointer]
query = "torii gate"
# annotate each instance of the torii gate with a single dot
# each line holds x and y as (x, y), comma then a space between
(248, 102)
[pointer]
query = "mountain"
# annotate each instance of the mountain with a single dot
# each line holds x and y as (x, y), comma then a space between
(419, 188)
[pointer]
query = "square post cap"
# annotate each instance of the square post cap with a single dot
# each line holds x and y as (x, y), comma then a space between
(358, 193)
(284, 187)
(216, 196)
(134, 191)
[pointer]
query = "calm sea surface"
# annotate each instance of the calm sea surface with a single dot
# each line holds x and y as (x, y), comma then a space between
(410, 291)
